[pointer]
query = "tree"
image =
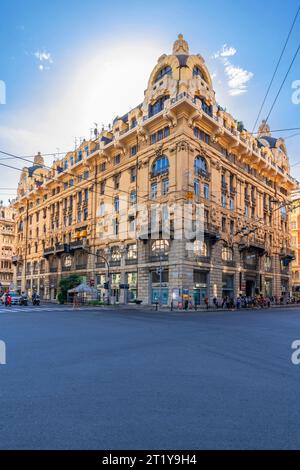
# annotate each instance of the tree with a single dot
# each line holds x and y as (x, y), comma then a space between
(65, 284)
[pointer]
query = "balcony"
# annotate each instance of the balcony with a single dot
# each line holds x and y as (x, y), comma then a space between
(101, 265)
(158, 258)
(48, 251)
(116, 262)
(130, 261)
(81, 266)
(229, 263)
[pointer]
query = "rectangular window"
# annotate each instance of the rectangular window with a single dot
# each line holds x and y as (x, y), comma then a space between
(117, 159)
(102, 187)
(133, 175)
(223, 200)
(117, 181)
(116, 227)
(102, 167)
(133, 198)
(116, 204)
(85, 213)
(246, 210)
(231, 204)
(153, 190)
(206, 191)
(102, 209)
(223, 224)
(165, 186)
(133, 150)
(197, 188)
(71, 183)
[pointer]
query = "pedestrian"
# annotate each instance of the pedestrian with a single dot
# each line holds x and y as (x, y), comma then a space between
(238, 302)
(206, 303)
(8, 297)
(75, 301)
(215, 302)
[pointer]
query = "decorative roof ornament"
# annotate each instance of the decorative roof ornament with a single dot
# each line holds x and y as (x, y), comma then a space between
(180, 46)
(38, 159)
(264, 129)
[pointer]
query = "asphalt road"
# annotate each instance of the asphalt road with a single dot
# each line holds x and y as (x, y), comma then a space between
(146, 380)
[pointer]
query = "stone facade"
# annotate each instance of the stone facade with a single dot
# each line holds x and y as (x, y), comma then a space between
(178, 147)
(7, 236)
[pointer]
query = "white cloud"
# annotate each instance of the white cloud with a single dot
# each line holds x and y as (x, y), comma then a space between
(226, 51)
(43, 56)
(237, 77)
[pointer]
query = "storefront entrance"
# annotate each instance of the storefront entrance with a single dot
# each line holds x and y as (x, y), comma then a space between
(199, 295)
(250, 288)
(227, 286)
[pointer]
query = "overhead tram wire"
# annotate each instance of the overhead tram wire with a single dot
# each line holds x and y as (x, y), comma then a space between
(276, 68)
(283, 82)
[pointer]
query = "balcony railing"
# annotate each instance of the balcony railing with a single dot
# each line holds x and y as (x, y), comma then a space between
(81, 266)
(158, 258)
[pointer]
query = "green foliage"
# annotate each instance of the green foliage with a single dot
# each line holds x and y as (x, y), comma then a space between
(65, 284)
(60, 298)
(95, 302)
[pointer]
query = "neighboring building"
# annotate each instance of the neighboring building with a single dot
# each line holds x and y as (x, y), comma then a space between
(177, 146)
(7, 237)
(295, 241)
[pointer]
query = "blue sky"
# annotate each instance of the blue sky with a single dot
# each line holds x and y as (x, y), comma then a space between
(68, 64)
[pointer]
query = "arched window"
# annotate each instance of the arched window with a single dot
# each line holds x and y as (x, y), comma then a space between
(160, 247)
(227, 253)
(200, 248)
(158, 105)
(200, 166)
(197, 72)
(167, 70)
(160, 166)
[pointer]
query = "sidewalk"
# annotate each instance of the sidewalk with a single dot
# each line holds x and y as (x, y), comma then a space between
(166, 308)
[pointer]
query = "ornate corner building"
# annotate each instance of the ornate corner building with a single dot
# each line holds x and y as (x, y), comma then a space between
(82, 215)
(7, 240)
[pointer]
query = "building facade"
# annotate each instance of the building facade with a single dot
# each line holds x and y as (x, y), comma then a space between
(7, 238)
(295, 242)
(177, 151)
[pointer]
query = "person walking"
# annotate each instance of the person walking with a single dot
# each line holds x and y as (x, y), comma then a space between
(8, 299)
(75, 301)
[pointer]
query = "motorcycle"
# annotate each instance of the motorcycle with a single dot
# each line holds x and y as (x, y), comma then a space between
(24, 300)
(36, 300)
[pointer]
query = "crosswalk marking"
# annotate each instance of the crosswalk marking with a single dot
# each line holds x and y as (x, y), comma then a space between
(30, 308)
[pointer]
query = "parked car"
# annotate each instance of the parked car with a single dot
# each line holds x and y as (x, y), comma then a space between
(15, 298)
